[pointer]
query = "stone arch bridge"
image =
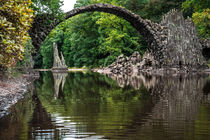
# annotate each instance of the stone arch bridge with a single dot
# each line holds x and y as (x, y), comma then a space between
(174, 42)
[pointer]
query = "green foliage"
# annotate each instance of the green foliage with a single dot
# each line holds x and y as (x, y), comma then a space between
(208, 63)
(117, 37)
(80, 3)
(81, 41)
(96, 39)
(38, 60)
(191, 6)
(200, 13)
(92, 39)
(152, 9)
(15, 21)
(202, 23)
(47, 53)
(29, 49)
(47, 6)
(48, 10)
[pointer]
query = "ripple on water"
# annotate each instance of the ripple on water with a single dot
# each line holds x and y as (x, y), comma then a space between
(92, 106)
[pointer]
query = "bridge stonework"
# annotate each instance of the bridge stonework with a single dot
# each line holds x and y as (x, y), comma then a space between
(173, 43)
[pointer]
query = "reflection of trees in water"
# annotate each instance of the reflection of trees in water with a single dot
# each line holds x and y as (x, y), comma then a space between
(15, 125)
(41, 126)
(206, 89)
(91, 97)
(176, 101)
(90, 100)
(179, 95)
(28, 118)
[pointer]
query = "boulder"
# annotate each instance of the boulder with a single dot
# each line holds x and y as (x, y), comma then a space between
(147, 61)
(135, 58)
(125, 65)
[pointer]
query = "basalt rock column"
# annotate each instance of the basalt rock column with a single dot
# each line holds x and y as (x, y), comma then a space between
(58, 63)
(182, 48)
(63, 61)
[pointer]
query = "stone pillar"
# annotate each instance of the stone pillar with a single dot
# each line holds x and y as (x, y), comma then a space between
(63, 61)
(58, 64)
(183, 49)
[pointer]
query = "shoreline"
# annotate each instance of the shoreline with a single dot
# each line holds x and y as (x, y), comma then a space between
(152, 71)
(69, 70)
(12, 90)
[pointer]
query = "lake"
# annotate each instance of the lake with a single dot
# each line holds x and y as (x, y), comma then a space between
(86, 105)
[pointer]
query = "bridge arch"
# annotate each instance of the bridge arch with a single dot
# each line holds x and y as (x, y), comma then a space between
(148, 29)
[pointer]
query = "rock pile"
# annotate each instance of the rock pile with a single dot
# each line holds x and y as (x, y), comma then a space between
(121, 65)
(134, 63)
(12, 90)
(148, 61)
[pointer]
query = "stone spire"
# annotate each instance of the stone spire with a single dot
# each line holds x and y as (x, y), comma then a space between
(58, 64)
(183, 48)
(63, 61)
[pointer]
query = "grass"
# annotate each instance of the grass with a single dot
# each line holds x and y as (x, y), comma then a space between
(84, 67)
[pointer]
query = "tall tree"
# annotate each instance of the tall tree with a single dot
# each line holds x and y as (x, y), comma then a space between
(47, 6)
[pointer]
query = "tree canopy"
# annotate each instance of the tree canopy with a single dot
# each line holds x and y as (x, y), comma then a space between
(47, 6)
(91, 39)
(200, 13)
(96, 39)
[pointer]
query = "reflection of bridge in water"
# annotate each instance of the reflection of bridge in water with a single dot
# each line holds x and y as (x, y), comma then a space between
(174, 97)
(173, 100)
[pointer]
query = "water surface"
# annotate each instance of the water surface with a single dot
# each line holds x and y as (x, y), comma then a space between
(88, 105)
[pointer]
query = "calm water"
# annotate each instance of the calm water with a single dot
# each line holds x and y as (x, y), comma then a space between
(92, 106)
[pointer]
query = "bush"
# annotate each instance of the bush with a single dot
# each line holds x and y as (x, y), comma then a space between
(15, 21)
